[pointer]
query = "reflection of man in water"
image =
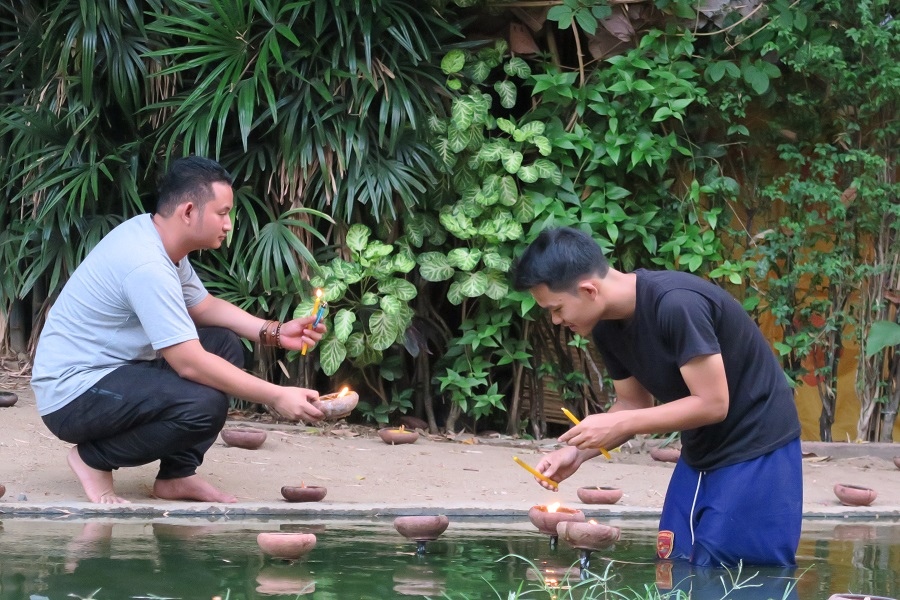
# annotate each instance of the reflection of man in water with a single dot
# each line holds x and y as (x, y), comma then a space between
(737, 583)
(166, 565)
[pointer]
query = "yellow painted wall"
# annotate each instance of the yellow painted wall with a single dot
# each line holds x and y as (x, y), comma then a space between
(847, 411)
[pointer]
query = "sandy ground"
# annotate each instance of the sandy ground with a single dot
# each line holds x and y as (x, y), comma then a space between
(464, 475)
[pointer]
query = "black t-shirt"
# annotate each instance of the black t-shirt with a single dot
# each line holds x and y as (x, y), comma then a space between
(679, 316)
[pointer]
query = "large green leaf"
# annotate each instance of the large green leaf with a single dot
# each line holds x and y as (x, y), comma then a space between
(882, 334)
(464, 259)
(358, 237)
(383, 329)
(400, 288)
(343, 324)
(332, 353)
(434, 266)
(472, 284)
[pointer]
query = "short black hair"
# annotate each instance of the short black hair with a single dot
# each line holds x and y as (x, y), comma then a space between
(189, 179)
(559, 258)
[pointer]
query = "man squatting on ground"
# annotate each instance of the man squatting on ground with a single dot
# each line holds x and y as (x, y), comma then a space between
(736, 493)
(137, 360)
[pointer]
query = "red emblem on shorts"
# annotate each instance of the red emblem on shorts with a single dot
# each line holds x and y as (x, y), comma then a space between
(665, 543)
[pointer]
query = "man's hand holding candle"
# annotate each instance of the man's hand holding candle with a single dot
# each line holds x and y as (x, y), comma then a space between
(299, 332)
(561, 464)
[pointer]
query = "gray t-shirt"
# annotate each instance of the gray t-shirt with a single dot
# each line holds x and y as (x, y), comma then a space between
(123, 303)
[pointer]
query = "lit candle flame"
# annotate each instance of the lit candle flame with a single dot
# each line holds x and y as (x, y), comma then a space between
(318, 292)
(553, 507)
(343, 391)
(592, 522)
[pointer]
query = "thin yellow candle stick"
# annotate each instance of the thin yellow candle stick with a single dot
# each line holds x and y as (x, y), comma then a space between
(575, 420)
(315, 309)
(536, 473)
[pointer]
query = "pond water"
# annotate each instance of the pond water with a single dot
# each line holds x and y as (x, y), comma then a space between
(113, 559)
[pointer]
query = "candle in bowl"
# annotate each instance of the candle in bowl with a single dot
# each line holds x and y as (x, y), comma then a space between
(587, 537)
(303, 493)
(337, 405)
(399, 435)
(547, 517)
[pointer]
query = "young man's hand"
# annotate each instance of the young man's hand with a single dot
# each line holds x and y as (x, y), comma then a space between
(559, 465)
(295, 404)
(298, 332)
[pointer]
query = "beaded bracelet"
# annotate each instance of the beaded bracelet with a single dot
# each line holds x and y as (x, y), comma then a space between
(268, 337)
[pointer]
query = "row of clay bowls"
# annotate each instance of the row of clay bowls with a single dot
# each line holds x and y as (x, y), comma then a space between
(293, 545)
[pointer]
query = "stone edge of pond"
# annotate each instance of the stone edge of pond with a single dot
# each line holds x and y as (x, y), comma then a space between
(263, 510)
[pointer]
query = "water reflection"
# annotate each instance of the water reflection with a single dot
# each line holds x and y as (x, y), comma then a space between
(362, 559)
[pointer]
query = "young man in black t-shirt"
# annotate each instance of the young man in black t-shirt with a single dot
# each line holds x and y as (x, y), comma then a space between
(736, 493)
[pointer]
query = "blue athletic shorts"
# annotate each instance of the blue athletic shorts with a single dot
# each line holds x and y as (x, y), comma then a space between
(749, 512)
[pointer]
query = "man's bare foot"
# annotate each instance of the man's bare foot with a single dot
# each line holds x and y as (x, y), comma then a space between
(98, 485)
(190, 488)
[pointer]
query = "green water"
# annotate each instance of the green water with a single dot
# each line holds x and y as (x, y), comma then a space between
(360, 559)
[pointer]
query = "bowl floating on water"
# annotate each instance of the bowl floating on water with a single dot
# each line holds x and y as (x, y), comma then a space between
(854, 495)
(546, 519)
(303, 493)
(287, 545)
(599, 495)
(243, 437)
(337, 405)
(398, 436)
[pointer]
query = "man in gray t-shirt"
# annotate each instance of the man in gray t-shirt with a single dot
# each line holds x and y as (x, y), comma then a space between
(137, 360)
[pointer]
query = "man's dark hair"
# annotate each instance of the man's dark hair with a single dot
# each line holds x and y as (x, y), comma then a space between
(189, 179)
(559, 258)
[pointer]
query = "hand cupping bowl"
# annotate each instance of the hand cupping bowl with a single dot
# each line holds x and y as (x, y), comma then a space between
(337, 405)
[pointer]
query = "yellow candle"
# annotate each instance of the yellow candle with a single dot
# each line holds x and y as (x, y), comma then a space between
(536, 473)
(575, 420)
(315, 309)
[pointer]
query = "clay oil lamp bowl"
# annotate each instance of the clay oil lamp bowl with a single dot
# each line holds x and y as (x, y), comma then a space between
(665, 454)
(897, 461)
(243, 437)
(421, 528)
(546, 518)
(8, 399)
(337, 405)
(287, 545)
(854, 495)
(303, 493)
(2, 490)
(400, 435)
(587, 537)
(599, 495)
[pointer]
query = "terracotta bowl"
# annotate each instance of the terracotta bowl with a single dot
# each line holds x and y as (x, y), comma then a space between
(303, 493)
(398, 436)
(665, 454)
(7, 399)
(854, 495)
(546, 521)
(282, 544)
(243, 437)
(897, 461)
(599, 495)
(2, 490)
(421, 528)
(587, 536)
(334, 406)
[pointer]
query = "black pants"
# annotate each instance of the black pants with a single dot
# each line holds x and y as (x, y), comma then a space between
(145, 412)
